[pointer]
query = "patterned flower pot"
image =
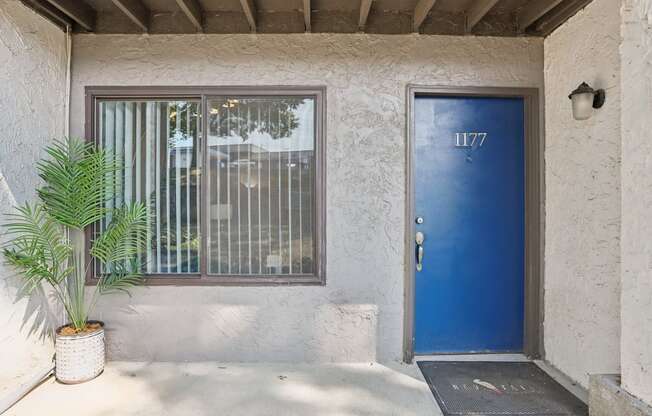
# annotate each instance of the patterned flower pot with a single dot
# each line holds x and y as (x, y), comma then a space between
(79, 357)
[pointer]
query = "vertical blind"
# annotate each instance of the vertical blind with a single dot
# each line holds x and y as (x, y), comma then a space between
(156, 142)
(260, 179)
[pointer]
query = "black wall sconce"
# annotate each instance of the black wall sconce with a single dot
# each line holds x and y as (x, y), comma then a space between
(585, 99)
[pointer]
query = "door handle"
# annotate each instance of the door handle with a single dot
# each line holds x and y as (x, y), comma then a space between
(419, 238)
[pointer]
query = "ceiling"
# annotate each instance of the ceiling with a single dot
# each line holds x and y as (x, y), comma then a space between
(428, 17)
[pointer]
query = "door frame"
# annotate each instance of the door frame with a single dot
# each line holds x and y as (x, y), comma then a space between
(534, 210)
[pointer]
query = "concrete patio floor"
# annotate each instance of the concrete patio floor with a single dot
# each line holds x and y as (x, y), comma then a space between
(237, 389)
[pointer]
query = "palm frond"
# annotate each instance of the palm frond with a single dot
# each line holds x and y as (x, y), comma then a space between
(121, 278)
(124, 238)
(37, 246)
(78, 178)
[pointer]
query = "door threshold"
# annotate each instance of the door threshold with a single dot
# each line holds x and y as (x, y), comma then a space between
(473, 357)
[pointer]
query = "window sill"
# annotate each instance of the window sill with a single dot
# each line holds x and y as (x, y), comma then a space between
(236, 280)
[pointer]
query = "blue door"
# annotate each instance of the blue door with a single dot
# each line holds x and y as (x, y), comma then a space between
(469, 214)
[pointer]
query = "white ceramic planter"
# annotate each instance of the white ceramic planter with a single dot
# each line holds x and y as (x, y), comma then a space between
(79, 357)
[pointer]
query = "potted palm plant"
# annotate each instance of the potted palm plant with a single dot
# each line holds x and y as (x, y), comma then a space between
(47, 247)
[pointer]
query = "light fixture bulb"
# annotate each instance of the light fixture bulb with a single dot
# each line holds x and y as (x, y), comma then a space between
(584, 99)
(582, 106)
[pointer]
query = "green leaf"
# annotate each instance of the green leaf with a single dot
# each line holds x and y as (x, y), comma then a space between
(37, 247)
(124, 237)
(79, 179)
(121, 278)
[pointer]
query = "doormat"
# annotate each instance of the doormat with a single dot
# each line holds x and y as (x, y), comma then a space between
(498, 388)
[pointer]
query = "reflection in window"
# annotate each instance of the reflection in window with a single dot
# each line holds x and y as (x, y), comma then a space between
(260, 170)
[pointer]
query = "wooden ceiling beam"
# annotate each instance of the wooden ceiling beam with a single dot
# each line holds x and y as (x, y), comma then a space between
(193, 11)
(249, 10)
(136, 12)
(306, 15)
(78, 11)
(477, 12)
(533, 12)
(536, 18)
(50, 12)
(421, 11)
(365, 8)
(560, 15)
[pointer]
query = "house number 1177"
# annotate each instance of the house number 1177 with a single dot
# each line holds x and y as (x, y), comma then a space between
(470, 139)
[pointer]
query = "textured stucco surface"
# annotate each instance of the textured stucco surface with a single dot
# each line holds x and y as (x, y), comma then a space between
(358, 315)
(32, 84)
(636, 247)
(582, 254)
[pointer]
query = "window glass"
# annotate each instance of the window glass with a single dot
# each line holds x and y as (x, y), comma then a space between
(156, 141)
(261, 165)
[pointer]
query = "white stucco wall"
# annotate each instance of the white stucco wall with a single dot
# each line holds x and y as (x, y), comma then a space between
(582, 254)
(32, 89)
(636, 246)
(358, 315)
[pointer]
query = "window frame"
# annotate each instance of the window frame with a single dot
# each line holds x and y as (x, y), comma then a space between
(204, 93)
